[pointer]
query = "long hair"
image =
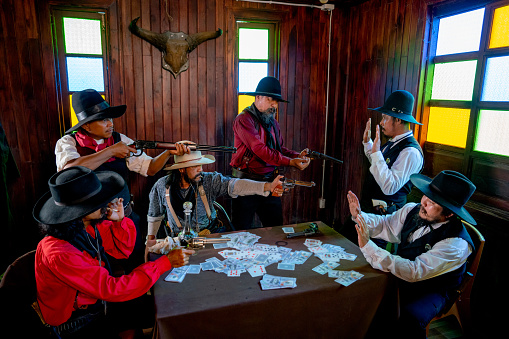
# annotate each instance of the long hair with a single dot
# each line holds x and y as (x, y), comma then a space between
(173, 178)
(66, 231)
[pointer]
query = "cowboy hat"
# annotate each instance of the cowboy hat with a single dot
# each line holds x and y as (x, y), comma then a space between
(449, 189)
(194, 158)
(76, 192)
(269, 87)
(89, 106)
(399, 104)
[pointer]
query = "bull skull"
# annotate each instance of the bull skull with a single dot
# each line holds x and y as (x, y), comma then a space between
(174, 46)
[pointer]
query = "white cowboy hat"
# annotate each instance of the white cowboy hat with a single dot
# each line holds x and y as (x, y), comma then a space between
(194, 158)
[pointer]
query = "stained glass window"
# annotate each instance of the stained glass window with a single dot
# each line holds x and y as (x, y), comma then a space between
(253, 43)
(460, 33)
(454, 80)
(448, 126)
(492, 136)
(500, 28)
(84, 73)
(254, 58)
(82, 36)
(496, 79)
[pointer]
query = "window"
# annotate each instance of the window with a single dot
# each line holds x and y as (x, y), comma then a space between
(81, 56)
(256, 46)
(467, 92)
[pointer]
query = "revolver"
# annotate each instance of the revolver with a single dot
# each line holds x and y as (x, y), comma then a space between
(311, 230)
(200, 242)
(290, 183)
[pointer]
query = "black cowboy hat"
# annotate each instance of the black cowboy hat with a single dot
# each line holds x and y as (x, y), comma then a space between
(76, 192)
(449, 189)
(89, 106)
(269, 87)
(399, 104)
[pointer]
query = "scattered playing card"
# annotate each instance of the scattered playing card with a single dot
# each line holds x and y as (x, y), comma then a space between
(288, 267)
(257, 270)
(194, 269)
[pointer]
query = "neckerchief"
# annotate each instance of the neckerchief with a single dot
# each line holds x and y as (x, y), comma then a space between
(267, 127)
(89, 142)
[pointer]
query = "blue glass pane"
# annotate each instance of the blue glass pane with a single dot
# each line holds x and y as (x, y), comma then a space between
(83, 73)
(460, 33)
(250, 73)
(496, 80)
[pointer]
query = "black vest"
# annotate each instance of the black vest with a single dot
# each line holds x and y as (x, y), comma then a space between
(118, 166)
(453, 229)
(390, 154)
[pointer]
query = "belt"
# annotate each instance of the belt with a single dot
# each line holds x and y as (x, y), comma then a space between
(258, 177)
(128, 210)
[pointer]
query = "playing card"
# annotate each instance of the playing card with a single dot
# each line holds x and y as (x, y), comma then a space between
(233, 273)
(288, 230)
(206, 266)
(194, 269)
(256, 270)
(288, 267)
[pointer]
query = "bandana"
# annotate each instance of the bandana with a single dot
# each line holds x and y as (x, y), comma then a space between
(89, 142)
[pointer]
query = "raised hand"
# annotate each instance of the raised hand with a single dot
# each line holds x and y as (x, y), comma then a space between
(362, 231)
(376, 141)
(366, 137)
(353, 204)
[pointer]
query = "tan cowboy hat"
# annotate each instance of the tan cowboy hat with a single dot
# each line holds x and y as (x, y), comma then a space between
(194, 158)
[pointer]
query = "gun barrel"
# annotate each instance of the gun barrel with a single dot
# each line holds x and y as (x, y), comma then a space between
(142, 144)
(317, 155)
(301, 183)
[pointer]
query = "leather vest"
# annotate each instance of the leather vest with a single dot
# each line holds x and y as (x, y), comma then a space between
(453, 229)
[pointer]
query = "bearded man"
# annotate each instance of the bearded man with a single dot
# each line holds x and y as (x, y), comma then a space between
(188, 182)
(432, 247)
(260, 153)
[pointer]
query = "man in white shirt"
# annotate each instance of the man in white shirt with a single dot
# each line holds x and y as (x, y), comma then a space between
(433, 246)
(392, 163)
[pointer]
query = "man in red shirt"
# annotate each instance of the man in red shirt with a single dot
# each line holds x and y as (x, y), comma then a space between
(260, 152)
(83, 219)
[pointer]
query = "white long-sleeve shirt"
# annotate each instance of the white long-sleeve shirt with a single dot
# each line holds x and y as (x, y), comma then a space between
(445, 256)
(391, 180)
(65, 151)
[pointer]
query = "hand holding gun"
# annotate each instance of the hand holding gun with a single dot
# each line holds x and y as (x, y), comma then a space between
(315, 155)
(290, 183)
(145, 144)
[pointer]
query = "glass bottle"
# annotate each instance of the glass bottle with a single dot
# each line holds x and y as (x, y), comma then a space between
(187, 233)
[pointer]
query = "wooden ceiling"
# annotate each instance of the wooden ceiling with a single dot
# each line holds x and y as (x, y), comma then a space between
(336, 3)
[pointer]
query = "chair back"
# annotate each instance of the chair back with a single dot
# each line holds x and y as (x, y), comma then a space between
(19, 280)
(223, 216)
(472, 261)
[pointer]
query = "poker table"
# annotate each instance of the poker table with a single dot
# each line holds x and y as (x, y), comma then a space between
(213, 305)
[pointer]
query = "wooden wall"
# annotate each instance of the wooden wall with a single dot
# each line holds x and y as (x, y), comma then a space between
(376, 49)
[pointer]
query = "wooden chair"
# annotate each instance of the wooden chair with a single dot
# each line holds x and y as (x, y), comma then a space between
(461, 306)
(223, 216)
(18, 295)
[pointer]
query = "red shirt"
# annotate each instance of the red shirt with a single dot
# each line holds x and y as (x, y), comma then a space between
(61, 271)
(250, 135)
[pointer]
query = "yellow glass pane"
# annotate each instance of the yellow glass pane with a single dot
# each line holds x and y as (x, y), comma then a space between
(74, 119)
(245, 101)
(448, 126)
(500, 27)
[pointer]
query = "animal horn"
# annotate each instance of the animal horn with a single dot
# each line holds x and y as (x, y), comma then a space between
(156, 39)
(195, 39)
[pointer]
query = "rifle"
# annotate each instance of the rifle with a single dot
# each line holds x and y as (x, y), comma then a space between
(144, 144)
(290, 183)
(316, 155)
